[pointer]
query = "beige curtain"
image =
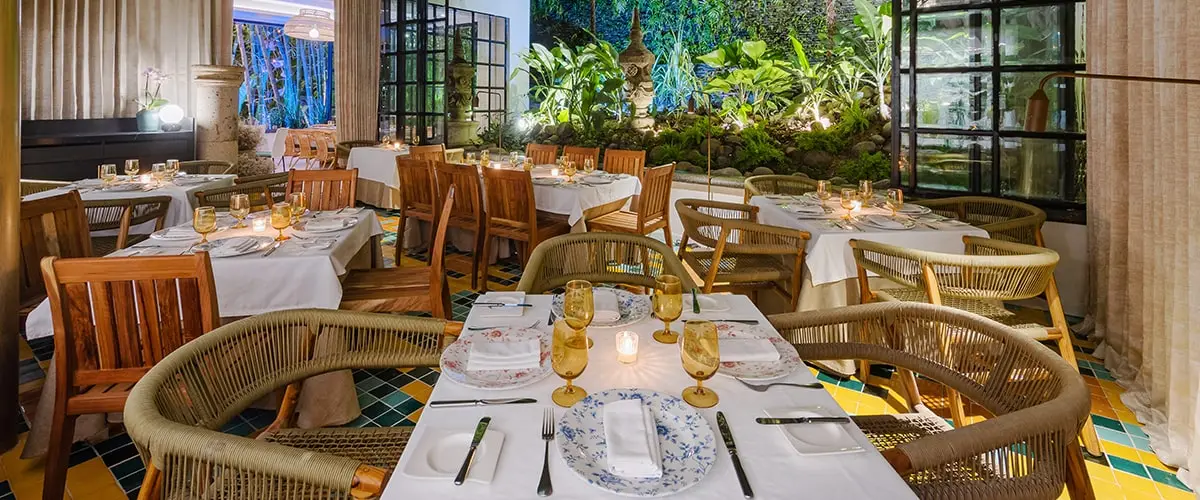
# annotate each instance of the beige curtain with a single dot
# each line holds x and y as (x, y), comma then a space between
(1144, 214)
(84, 58)
(356, 70)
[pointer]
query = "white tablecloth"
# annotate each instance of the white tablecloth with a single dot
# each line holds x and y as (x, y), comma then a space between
(573, 200)
(182, 199)
(377, 164)
(828, 256)
(775, 469)
(292, 277)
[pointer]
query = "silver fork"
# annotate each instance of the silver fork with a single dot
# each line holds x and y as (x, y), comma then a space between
(545, 489)
(763, 388)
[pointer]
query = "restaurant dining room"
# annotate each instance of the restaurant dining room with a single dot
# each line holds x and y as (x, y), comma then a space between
(599, 249)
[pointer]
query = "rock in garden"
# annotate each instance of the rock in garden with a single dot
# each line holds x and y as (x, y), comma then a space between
(656, 152)
(886, 127)
(684, 166)
(878, 139)
(763, 171)
(724, 161)
(819, 160)
(696, 157)
(713, 145)
(736, 140)
(881, 184)
(727, 172)
(863, 147)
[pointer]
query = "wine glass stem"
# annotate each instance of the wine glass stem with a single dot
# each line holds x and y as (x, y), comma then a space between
(666, 327)
(699, 387)
(570, 387)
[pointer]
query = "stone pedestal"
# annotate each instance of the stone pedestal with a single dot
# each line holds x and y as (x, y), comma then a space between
(461, 133)
(216, 111)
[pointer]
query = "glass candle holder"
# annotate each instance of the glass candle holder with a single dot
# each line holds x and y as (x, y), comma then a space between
(627, 346)
(554, 172)
(259, 225)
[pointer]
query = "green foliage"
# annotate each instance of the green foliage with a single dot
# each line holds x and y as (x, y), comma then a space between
(579, 86)
(871, 43)
(515, 136)
(667, 153)
(674, 76)
(868, 166)
(828, 141)
(751, 85)
(759, 149)
(853, 121)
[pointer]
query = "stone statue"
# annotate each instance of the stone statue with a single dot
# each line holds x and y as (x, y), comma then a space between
(638, 62)
(460, 96)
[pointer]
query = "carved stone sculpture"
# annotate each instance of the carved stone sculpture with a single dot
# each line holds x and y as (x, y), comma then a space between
(460, 98)
(638, 62)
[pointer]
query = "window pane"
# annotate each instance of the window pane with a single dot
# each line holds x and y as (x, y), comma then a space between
(1031, 168)
(1016, 88)
(956, 100)
(903, 107)
(903, 160)
(944, 161)
(1031, 35)
(1080, 33)
(905, 53)
(948, 39)
(925, 4)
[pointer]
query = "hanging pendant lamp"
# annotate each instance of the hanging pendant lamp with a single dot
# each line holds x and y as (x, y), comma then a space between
(310, 24)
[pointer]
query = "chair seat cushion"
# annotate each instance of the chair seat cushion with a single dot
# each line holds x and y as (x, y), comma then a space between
(991, 309)
(380, 447)
(739, 268)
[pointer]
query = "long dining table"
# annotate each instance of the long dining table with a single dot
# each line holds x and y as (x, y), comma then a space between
(182, 191)
(774, 468)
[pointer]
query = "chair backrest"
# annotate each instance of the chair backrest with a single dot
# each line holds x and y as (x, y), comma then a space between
(31, 186)
(114, 318)
(991, 269)
(439, 288)
(778, 184)
(1003, 219)
(510, 202)
(467, 210)
(123, 214)
(205, 167)
(344, 147)
(620, 161)
(703, 220)
(578, 154)
(542, 154)
(655, 204)
(259, 192)
(55, 226)
(600, 257)
(291, 143)
(326, 189)
(325, 149)
(277, 183)
(433, 152)
(418, 185)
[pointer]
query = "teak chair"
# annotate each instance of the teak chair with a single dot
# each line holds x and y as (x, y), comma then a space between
(402, 289)
(467, 211)
(113, 320)
(123, 214)
(778, 184)
(31, 186)
(50, 227)
(326, 189)
(577, 154)
(433, 152)
(418, 188)
(512, 213)
(654, 211)
(325, 150)
(542, 154)
(620, 161)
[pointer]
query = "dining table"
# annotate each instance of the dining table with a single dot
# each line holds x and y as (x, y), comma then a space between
(774, 468)
(378, 178)
(181, 189)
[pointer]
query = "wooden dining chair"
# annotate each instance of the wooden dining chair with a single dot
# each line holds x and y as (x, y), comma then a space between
(418, 192)
(397, 289)
(620, 161)
(121, 215)
(113, 320)
(325, 150)
(542, 154)
(512, 213)
(456, 155)
(654, 210)
(50, 227)
(277, 183)
(432, 152)
(578, 155)
(291, 149)
(467, 211)
(326, 189)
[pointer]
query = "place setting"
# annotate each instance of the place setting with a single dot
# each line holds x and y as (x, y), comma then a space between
(506, 351)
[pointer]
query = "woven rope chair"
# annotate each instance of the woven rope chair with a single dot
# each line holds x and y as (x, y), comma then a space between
(613, 258)
(778, 184)
(1006, 220)
(175, 412)
(278, 183)
(1026, 451)
(123, 214)
(744, 255)
(990, 272)
(259, 192)
(31, 186)
(206, 167)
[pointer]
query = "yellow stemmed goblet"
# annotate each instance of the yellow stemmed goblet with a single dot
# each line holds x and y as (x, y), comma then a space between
(299, 202)
(701, 357)
(824, 191)
(108, 173)
(569, 357)
(895, 200)
(569, 171)
(281, 218)
(849, 197)
(668, 306)
(132, 168)
(239, 208)
(866, 190)
(578, 306)
(204, 221)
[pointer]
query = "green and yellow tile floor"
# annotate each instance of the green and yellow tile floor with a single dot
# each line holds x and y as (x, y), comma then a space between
(112, 469)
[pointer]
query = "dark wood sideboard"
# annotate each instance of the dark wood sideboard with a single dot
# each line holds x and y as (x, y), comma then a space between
(67, 150)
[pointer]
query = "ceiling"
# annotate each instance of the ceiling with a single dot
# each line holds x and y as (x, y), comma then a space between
(275, 11)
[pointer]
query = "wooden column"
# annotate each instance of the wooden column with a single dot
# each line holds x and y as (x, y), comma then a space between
(356, 49)
(10, 211)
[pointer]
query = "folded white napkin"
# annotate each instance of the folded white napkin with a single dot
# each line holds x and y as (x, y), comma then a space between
(327, 224)
(747, 351)
(500, 298)
(632, 440)
(504, 355)
(885, 222)
(607, 308)
(798, 208)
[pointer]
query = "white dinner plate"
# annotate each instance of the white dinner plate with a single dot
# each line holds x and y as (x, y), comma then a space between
(788, 362)
(121, 188)
(684, 436)
(235, 246)
(911, 209)
(873, 221)
(454, 360)
(633, 308)
(822, 438)
(439, 454)
(708, 303)
(597, 180)
(326, 224)
(547, 181)
(181, 233)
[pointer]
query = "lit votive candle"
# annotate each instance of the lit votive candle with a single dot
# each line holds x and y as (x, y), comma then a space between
(857, 206)
(554, 172)
(259, 224)
(627, 347)
(145, 178)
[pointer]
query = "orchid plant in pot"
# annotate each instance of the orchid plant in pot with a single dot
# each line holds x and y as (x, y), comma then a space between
(150, 101)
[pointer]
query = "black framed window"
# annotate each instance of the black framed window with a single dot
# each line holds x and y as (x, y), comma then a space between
(418, 40)
(964, 72)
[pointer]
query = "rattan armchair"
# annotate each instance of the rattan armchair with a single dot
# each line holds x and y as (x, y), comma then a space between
(260, 193)
(1003, 219)
(778, 184)
(206, 167)
(990, 272)
(741, 254)
(121, 215)
(31, 186)
(1027, 450)
(613, 258)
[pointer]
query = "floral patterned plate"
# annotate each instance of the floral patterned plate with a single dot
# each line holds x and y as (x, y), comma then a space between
(454, 360)
(634, 308)
(787, 363)
(684, 436)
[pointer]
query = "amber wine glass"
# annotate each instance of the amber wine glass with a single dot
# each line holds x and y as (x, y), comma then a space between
(108, 173)
(158, 171)
(824, 191)
(866, 190)
(668, 306)
(299, 203)
(281, 218)
(589, 166)
(569, 171)
(132, 168)
(528, 164)
(239, 208)
(701, 358)
(172, 168)
(578, 306)
(204, 221)
(895, 200)
(569, 357)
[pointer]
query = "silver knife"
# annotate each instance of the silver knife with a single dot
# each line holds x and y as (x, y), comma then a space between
(480, 430)
(802, 420)
(723, 426)
(454, 403)
(499, 304)
(273, 249)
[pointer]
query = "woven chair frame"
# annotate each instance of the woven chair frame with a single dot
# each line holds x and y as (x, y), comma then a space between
(778, 184)
(31, 186)
(1003, 219)
(206, 167)
(613, 258)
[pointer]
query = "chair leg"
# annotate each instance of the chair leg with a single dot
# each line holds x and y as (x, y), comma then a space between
(61, 434)
(667, 235)
(487, 252)
(1079, 485)
(957, 412)
(477, 257)
(1088, 433)
(400, 238)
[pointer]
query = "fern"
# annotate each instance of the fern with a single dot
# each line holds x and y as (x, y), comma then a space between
(868, 166)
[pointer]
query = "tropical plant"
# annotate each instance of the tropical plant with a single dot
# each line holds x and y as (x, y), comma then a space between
(759, 149)
(872, 42)
(581, 86)
(820, 140)
(751, 85)
(813, 81)
(675, 80)
(868, 166)
(288, 81)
